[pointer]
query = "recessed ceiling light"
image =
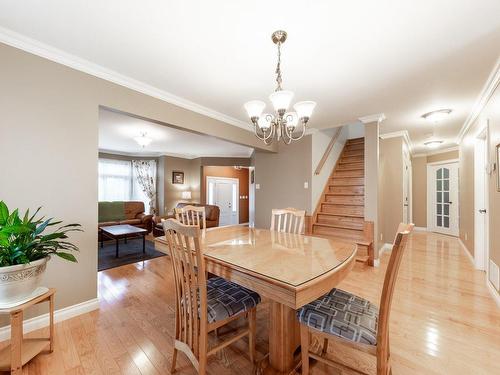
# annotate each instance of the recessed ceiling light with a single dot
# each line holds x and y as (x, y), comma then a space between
(436, 116)
(143, 141)
(433, 144)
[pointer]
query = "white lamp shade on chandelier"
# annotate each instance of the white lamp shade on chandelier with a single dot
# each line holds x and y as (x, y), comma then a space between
(282, 124)
(281, 99)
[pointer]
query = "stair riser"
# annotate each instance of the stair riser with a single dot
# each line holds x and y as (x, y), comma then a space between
(337, 232)
(352, 159)
(352, 173)
(355, 146)
(348, 153)
(350, 166)
(347, 190)
(357, 200)
(348, 181)
(357, 211)
(355, 141)
(341, 221)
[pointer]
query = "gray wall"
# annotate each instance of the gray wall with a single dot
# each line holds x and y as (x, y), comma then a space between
(281, 177)
(49, 143)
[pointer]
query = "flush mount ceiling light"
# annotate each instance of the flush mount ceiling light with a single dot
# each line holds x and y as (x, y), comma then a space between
(433, 144)
(436, 116)
(281, 125)
(143, 140)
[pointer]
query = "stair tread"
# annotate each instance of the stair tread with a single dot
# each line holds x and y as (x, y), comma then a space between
(339, 226)
(359, 241)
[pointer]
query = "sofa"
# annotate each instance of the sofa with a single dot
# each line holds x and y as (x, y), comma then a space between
(124, 212)
(212, 215)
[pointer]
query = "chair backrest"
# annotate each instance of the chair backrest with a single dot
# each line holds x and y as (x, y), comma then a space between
(403, 227)
(190, 282)
(288, 220)
(389, 283)
(192, 215)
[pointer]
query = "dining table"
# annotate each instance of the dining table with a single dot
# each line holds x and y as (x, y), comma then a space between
(288, 270)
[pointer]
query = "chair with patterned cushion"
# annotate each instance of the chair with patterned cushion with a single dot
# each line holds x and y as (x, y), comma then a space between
(202, 305)
(353, 324)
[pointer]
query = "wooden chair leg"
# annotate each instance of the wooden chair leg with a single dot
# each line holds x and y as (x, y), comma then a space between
(325, 346)
(202, 369)
(174, 360)
(252, 319)
(304, 344)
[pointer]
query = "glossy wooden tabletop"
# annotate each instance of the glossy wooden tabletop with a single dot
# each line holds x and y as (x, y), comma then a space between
(287, 258)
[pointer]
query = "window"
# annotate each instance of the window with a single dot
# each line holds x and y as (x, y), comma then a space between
(117, 182)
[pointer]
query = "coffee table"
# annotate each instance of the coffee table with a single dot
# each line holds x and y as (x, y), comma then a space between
(124, 231)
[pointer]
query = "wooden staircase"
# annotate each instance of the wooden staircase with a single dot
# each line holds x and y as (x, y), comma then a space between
(340, 212)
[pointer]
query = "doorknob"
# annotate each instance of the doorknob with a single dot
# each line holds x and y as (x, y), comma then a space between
(482, 211)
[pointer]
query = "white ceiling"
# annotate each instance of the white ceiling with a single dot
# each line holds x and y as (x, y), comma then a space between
(355, 58)
(116, 133)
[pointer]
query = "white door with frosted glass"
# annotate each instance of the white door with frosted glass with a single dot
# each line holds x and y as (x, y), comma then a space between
(442, 198)
(224, 193)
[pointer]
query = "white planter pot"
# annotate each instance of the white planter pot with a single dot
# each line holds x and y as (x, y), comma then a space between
(20, 281)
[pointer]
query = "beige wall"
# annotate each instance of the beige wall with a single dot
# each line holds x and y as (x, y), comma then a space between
(419, 183)
(419, 190)
(49, 131)
(281, 177)
(492, 114)
(391, 187)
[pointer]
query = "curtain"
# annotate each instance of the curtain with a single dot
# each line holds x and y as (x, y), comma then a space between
(115, 180)
(144, 177)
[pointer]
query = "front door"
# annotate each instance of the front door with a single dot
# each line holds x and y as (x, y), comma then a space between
(442, 198)
(224, 193)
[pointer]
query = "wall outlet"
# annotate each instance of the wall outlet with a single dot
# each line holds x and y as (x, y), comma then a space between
(306, 185)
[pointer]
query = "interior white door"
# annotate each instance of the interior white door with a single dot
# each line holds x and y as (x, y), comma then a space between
(480, 204)
(223, 192)
(442, 194)
(406, 193)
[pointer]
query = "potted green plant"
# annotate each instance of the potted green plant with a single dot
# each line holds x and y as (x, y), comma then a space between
(25, 249)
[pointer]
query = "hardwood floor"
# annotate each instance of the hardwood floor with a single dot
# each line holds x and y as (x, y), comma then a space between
(443, 320)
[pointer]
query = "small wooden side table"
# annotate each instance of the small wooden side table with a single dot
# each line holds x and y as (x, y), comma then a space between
(21, 350)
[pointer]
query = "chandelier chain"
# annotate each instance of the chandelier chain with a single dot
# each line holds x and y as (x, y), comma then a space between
(279, 80)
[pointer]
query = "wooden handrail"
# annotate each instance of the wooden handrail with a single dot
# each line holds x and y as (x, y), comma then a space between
(328, 150)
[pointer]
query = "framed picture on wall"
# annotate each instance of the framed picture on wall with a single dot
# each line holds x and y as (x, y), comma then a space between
(497, 152)
(177, 177)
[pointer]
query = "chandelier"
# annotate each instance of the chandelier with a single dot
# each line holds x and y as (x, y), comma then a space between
(287, 126)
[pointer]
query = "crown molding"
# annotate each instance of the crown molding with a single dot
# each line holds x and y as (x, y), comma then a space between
(436, 152)
(379, 117)
(401, 133)
(48, 52)
(484, 96)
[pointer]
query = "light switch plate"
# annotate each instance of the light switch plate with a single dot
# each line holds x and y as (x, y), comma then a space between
(257, 186)
(306, 185)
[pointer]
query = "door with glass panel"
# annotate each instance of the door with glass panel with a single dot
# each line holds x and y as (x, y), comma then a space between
(224, 192)
(442, 198)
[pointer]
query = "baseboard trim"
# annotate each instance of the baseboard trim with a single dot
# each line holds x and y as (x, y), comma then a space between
(420, 229)
(59, 315)
(494, 293)
(467, 252)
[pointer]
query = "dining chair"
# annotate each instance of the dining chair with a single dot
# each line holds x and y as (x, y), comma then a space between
(290, 220)
(353, 324)
(191, 215)
(202, 305)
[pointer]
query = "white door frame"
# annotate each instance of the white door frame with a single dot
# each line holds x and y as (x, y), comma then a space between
(407, 164)
(237, 192)
(481, 200)
(431, 198)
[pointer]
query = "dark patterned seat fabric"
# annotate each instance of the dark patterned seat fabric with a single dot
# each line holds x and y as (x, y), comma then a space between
(225, 299)
(342, 314)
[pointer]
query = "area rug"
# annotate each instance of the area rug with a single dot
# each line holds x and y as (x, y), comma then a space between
(130, 252)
